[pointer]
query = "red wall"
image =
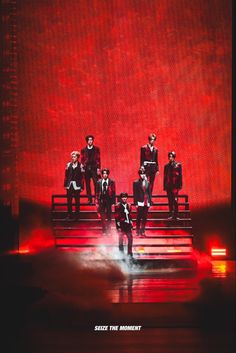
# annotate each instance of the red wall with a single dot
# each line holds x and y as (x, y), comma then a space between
(120, 70)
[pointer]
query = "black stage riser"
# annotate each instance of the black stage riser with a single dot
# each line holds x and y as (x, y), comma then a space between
(165, 238)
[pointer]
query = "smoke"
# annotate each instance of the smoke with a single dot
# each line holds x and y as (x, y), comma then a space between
(81, 280)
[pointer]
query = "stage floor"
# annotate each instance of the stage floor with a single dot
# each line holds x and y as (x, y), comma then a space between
(169, 284)
(52, 303)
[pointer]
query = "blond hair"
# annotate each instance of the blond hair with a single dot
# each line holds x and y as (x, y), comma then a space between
(152, 136)
(77, 153)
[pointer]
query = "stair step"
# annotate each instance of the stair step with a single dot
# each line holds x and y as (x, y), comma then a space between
(137, 256)
(91, 214)
(143, 242)
(113, 228)
(134, 219)
(90, 217)
(174, 236)
(149, 233)
(85, 245)
(165, 239)
(157, 250)
(93, 204)
(133, 211)
(169, 256)
(130, 196)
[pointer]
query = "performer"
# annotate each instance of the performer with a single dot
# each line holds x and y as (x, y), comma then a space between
(142, 200)
(73, 183)
(173, 183)
(105, 198)
(124, 223)
(149, 159)
(91, 161)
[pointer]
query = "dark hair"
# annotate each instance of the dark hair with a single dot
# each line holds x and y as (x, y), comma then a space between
(172, 153)
(89, 136)
(123, 194)
(105, 170)
(152, 136)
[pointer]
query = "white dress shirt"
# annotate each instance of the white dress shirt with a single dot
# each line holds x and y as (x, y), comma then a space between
(126, 212)
(73, 183)
(104, 180)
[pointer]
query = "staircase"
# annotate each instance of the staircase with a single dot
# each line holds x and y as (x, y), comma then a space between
(165, 239)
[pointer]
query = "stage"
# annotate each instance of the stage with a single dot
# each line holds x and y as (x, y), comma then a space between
(149, 83)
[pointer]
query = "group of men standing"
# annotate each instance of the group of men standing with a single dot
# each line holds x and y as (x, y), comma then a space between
(105, 189)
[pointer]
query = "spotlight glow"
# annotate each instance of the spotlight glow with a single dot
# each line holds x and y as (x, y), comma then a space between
(218, 252)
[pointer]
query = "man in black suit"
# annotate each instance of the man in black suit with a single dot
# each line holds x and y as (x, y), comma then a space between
(90, 161)
(142, 200)
(73, 183)
(124, 223)
(172, 183)
(149, 159)
(105, 198)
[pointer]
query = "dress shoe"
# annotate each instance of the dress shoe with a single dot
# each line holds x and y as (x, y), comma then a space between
(171, 216)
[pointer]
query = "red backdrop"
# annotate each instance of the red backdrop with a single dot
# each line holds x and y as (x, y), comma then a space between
(120, 69)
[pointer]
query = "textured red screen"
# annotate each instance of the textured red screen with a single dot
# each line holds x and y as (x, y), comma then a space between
(120, 70)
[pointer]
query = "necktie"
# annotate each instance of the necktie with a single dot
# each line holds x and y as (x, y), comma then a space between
(104, 187)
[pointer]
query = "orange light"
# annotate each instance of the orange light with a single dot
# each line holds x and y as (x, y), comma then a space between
(218, 252)
(23, 251)
(173, 250)
(139, 249)
(219, 268)
(20, 251)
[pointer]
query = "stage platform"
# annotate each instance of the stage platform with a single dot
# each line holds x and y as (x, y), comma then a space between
(166, 241)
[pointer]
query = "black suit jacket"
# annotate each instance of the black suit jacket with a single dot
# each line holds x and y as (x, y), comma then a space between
(111, 191)
(120, 215)
(147, 155)
(139, 193)
(173, 176)
(78, 175)
(95, 163)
